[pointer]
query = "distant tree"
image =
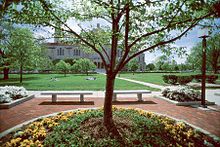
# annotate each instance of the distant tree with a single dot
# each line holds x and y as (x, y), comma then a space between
(174, 66)
(23, 51)
(160, 61)
(166, 66)
(55, 61)
(5, 33)
(150, 66)
(183, 67)
(213, 54)
(63, 67)
(76, 67)
(70, 61)
(133, 65)
(85, 65)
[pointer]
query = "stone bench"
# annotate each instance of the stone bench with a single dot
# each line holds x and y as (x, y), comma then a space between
(138, 92)
(54, 94)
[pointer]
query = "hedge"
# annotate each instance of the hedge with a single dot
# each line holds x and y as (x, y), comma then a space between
(174, 79)
(209, 78)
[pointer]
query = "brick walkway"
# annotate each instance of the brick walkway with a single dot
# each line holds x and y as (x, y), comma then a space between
(207, 120)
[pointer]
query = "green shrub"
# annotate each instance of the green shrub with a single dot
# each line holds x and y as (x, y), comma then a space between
(170, 79)
(209, 78)
(183, 80)
(212, 78)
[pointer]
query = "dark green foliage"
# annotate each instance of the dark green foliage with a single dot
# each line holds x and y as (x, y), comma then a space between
(183, 80)
(150, 66)
(55, 61)
(170, 79)
(174, 79)
(209, 78)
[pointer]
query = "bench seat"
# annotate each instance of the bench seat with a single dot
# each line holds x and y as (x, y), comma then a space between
(81, 94)
(138, 92)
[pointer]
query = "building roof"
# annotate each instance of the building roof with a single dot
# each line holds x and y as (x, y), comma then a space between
(57, 44)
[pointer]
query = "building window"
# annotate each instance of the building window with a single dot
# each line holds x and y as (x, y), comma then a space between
(60, 52)
(76, 52)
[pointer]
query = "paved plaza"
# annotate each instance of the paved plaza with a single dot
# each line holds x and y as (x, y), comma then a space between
(208, 120)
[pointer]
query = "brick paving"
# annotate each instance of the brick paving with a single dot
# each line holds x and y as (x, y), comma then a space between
(207, 120)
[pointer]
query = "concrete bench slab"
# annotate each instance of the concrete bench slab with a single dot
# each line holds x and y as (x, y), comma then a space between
(54, 94)
(138, 92)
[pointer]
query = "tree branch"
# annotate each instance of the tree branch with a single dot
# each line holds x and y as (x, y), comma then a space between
(156, 45)
(165, 28)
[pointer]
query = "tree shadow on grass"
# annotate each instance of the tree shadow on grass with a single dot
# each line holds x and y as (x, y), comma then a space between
(18, 79)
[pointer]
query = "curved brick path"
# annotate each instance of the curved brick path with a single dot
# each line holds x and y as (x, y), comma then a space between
(207, 120)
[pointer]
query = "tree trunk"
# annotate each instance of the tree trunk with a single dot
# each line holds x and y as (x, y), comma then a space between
(6, 71)
(108, 121)
(21, 71)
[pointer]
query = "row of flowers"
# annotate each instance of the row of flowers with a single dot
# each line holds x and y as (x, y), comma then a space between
(35, 133)
(10, 93)
(181, 93)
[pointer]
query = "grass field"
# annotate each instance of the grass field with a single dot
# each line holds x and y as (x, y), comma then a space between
(155, 78)
(71, 82)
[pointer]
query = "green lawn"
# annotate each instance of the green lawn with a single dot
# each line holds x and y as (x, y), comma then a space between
(71, 82)
(155, 78)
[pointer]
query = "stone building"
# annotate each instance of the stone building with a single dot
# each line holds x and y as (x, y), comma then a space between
(58, 50)
(63, 51)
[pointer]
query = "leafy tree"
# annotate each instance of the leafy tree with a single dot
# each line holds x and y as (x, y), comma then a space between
(160, 61)
(63, 66)
(135, 25)
(213, 54)
(166, 66)
(174, 66)
(133, 65)
(70, 61)
(84, 65)
(150, 66)
(5, 32)
(23, 52)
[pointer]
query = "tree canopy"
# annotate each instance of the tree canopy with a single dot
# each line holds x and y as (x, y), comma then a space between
(213, 54)
(22, 51)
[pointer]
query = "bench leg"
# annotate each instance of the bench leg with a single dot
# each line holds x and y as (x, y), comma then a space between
(54, 98)
(114, 97)
(81, 98)
(139, 97)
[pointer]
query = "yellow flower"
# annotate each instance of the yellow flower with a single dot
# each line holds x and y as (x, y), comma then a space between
(181, 125)
(13, 142)
(189, 133)
(190, 144)
(26, 143)
(69, 114)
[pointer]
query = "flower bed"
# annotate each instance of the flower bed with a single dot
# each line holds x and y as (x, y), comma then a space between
(182, 96)
(12, 95)
(181, 93)
(85, 127)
